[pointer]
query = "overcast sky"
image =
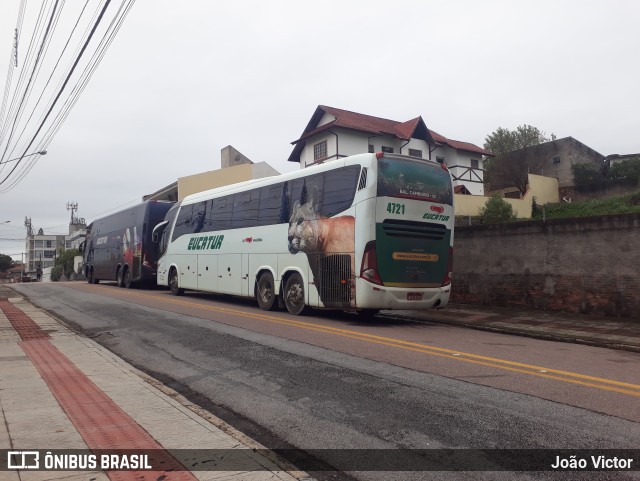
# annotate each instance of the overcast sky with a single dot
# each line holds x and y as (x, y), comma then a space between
(184, 79)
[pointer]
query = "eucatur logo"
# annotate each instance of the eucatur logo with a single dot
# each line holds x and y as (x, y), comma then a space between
(437, 208)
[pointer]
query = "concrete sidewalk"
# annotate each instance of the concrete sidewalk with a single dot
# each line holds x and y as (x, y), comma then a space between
(613, 333)
(60, 390)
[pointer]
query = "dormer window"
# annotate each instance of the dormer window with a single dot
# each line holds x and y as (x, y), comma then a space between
(320, 150)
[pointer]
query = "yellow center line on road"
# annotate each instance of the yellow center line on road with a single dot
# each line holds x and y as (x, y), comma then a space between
(539, 371)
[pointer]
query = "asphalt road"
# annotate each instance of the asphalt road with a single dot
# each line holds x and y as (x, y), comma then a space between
(331, 381)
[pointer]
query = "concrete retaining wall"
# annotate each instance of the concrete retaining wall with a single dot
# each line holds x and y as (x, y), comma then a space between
(587, 265)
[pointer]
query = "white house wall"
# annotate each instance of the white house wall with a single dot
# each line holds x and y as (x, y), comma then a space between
(352, 143)
(458, 162)
(416, 144)
(326, 118)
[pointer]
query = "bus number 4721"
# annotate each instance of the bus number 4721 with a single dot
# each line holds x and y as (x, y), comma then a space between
(394, 208)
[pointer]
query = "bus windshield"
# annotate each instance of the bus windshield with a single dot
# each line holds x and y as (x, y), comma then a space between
(409, 179)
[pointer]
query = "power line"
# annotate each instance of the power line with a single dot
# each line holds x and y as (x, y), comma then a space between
(90, 69)
(27, 90)
(32, 42)
(12, 64)
(95, 26)
(51, 121)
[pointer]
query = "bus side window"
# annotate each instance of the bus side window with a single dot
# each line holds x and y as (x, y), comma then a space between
(184, 222)
(199, 217)
(245, 209)
(221, 212)
(339, 189)
(270, 205)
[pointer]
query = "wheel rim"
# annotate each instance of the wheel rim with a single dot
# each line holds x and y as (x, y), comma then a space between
(295, 295)
(266, 291)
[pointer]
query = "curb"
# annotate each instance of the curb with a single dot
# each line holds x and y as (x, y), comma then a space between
(547, 336)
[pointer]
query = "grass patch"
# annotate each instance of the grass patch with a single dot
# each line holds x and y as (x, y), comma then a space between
(614, 205)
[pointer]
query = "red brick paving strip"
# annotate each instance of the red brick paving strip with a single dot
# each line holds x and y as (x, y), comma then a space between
(99, 420)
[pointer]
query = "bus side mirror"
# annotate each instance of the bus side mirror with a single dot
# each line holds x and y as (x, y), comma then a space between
(157, 231)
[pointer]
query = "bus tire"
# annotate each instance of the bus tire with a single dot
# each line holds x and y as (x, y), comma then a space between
(119, 281)
(294, 295)
(265, 291)
(174, 283)
(90, 276)
(126, 278)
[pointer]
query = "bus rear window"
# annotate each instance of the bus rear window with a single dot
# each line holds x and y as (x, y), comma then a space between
(414, 179)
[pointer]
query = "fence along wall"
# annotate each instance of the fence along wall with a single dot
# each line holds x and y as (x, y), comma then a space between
(588, 265)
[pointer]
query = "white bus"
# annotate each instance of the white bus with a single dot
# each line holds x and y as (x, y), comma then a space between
(366, 232)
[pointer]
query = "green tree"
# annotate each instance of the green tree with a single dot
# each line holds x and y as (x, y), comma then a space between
(496, 210)
(64, 264)
(513, 171)
(586, 175)
(5, 262)
(626, 169)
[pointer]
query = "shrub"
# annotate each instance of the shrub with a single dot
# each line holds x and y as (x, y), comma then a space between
(56, 273)
(496, 210)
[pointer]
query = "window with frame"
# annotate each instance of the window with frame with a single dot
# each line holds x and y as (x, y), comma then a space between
(387, 150)
(474, 163)
(415, 153)
(371, 149)
(320, 150)
(440, 160)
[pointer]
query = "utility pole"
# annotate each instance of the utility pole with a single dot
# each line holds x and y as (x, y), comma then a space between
(73, 207)
(27, 224)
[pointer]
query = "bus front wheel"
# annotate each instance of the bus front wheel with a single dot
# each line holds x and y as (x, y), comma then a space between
(265, 291)
(119, 281)
(294, 294)
(173, 283)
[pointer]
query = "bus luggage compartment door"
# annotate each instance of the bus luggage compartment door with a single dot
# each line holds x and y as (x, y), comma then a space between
(207, 272)
(230, 274)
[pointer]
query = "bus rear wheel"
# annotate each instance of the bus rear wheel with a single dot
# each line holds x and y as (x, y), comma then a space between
(294, 294)
(265, 291)
(90, 276)
(173, 283)
(119, 281)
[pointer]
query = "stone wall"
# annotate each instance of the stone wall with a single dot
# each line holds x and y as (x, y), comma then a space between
(588, 265)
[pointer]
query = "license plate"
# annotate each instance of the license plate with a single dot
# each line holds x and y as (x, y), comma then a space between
(414, 296)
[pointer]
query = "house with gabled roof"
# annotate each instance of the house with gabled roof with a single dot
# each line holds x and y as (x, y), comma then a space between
(335, 133)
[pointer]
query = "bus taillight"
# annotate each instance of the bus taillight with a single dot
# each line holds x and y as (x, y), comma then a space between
(447, 277)
(369, 270)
